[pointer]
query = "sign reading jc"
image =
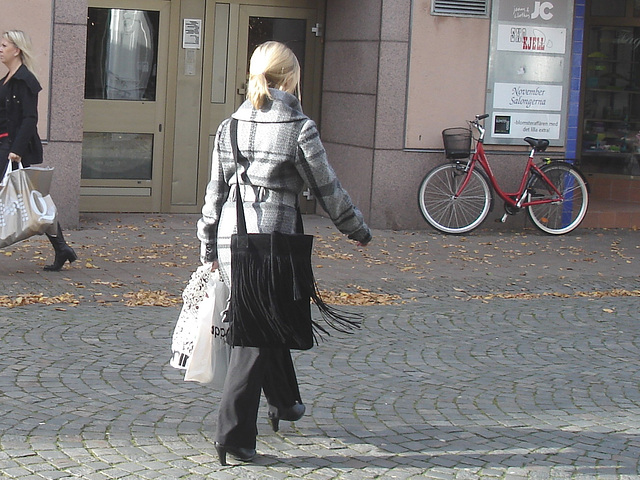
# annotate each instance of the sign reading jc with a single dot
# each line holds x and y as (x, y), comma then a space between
(542, 10)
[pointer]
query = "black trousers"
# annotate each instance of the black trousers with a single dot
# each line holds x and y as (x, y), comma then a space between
(250, 371)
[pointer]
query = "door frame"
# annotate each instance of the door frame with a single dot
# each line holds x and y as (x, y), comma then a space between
(124, 194)
(233, 56)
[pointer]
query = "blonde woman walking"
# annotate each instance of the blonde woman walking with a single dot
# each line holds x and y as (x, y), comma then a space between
(281, 155)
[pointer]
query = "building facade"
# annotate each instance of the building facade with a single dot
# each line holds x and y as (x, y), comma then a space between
(135, 90)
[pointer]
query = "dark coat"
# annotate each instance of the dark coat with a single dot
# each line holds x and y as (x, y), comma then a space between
(22, 112)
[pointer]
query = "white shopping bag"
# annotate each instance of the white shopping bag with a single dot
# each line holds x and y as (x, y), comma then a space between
(209, 360)
(25, 210)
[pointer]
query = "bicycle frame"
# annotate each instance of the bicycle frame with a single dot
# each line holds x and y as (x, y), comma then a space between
(515, 199)
(455, 198)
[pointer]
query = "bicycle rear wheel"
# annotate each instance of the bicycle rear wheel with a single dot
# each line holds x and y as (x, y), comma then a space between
(446, 212)
(558, 217)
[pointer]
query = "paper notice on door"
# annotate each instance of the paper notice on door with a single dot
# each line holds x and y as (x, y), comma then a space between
(192, 33)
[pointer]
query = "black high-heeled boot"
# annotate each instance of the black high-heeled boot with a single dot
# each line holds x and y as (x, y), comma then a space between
(63, 251)
(290, 414)
(242, 454)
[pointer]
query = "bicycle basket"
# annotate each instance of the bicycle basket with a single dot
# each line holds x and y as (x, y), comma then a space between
(457, 142)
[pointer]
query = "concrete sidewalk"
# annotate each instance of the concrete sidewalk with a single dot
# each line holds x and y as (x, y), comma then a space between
(128, 253)
(505, 354)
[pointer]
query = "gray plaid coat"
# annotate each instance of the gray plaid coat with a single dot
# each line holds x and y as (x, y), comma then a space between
(282, 154)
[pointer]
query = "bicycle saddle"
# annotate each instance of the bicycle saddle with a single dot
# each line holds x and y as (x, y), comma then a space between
(539, 144)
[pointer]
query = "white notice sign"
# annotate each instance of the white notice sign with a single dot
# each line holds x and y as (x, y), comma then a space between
(521, 124)
(527, 96)
(192, 33)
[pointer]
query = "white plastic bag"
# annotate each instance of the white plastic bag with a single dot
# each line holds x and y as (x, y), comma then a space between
(24, 210)
(209, 360)
(186, 329)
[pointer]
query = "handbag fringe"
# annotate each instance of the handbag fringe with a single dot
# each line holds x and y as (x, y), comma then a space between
(337, 319)
(258, 283)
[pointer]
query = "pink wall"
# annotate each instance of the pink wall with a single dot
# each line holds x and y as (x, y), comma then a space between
(447, 74)
(34, 17)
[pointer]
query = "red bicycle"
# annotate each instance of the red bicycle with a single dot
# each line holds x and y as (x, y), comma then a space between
(456, 197)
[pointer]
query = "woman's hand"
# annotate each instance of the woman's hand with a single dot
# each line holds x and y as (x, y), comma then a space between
(14, 157)
(213, 265)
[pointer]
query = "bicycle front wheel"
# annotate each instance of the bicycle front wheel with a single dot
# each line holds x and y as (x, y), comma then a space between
(450, 213)
(558, 217)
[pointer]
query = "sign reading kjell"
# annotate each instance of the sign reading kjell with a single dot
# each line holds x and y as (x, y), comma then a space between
(514, 38)
(528, 79)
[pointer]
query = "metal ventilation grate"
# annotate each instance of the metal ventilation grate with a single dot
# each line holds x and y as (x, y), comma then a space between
(460, 8)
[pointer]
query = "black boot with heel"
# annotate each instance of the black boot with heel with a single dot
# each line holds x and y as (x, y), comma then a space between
(242, 454)
(63, 251)
(290, 414)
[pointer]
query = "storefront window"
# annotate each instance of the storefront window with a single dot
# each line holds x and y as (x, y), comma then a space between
(611, 134)
(609, 8)
(121, 54)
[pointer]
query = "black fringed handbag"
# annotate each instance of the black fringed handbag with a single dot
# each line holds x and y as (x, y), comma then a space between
(272, 285)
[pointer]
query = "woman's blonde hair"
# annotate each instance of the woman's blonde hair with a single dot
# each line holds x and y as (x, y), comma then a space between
(23, 42)
(273, 65)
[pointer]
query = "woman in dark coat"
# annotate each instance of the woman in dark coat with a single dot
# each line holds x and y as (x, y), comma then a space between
(282, 154)
(19, 140)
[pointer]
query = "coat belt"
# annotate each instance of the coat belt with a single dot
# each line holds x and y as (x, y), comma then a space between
(252, 193)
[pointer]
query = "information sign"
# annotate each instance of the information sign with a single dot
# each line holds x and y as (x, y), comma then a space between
(528, 77)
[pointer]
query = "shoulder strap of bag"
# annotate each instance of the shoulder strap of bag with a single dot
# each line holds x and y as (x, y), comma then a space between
(299, 224)
(240, 219)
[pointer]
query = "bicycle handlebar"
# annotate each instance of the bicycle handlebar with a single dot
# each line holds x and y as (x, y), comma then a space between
(480, 128)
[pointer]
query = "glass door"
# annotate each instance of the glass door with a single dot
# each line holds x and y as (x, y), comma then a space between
(236, 30)
(292, 26)
(125, 90)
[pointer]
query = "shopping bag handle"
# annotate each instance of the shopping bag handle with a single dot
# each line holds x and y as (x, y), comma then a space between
(8, 170)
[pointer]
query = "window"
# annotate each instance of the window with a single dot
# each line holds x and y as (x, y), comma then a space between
(122, 51)
(608, 8)
(117, 155)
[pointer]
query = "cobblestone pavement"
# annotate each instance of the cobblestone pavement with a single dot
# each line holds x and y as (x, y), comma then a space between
(506, 354)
